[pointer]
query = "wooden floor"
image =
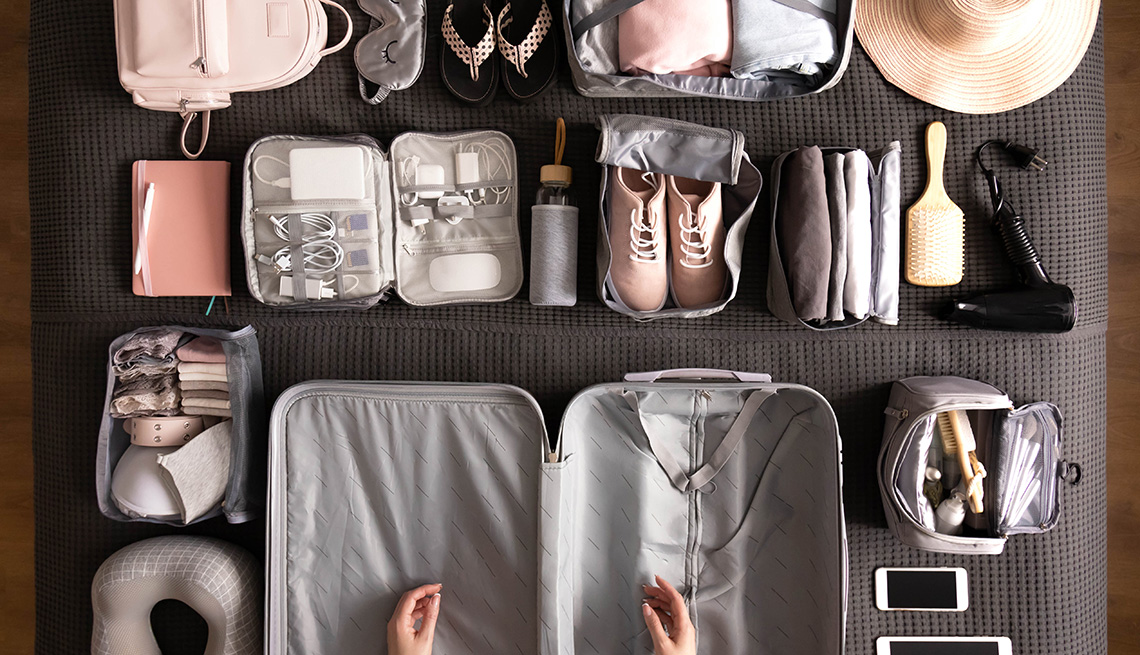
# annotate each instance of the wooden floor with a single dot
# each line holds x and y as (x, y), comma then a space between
(1122, 80)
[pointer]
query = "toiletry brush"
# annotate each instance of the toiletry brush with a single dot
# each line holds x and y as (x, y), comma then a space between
(958, 443)
(934, 225)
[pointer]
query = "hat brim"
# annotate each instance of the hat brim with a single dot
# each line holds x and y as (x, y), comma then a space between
(988, 80)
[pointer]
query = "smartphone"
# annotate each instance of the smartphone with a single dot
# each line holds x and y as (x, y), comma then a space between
(943, 646)
(921, 590)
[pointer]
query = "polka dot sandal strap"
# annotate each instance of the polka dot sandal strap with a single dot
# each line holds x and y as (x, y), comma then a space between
(473, 56)
(521, 53)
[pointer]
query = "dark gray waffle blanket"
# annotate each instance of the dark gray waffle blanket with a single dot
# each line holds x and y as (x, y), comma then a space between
(1046, 592)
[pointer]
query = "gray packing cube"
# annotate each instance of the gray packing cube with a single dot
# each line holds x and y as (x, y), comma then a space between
(885, 243)
(379, 487)
(247, 435)
(1020, 449)
(673, 147)
(592, 52)
(435, 243)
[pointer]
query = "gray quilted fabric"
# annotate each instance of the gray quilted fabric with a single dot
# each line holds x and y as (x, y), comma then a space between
(1046, 592)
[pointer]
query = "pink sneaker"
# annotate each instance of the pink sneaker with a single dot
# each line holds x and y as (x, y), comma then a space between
(638, 275)
(696, 242)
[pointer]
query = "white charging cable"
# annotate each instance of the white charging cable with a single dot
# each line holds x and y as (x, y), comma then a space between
(495, 160)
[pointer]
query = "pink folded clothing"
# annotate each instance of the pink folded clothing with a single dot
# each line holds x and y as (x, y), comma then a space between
(683, 37)
(206, 350)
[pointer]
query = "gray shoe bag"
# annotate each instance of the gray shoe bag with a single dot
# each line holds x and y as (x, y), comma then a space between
(376, 487)
(885, 235)
(673, 147)
(999, 428)
(247, 436)
(592, 52)
(401, 235)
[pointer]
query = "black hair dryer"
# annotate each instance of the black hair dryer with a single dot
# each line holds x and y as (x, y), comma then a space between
(1041, 305)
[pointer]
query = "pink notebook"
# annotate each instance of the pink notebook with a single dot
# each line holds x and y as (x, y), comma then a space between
(183, 249)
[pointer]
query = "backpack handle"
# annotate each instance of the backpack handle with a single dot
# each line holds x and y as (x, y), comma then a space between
(348, 34)
(187, 119)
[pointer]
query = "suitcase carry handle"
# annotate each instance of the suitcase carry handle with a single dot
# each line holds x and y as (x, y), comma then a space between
(697, 374)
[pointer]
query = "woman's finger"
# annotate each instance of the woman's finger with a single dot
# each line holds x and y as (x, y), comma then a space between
(666, 620)
(676, 602)
(656, 629)
(407, 603)
(431, 615)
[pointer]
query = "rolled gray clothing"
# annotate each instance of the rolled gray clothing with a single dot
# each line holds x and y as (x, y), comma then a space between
(803, 227)
(782, 35)
(554, 255)
(837, 210)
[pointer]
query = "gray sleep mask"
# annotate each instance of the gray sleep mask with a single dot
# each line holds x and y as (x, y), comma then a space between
(390, 56)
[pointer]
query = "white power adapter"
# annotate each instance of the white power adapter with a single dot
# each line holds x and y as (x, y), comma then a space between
(429, 174)
(315, 289)
(467, 168)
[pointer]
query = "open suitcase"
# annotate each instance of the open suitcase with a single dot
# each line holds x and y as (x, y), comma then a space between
(726, 484)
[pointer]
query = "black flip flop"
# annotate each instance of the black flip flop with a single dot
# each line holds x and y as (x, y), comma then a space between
(528, 43)
(468, 62)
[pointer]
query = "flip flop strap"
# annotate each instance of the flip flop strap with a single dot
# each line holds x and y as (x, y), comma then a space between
(521, 53)
(473, 56)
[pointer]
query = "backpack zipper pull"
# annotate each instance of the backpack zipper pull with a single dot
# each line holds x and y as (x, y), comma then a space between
(899, 414)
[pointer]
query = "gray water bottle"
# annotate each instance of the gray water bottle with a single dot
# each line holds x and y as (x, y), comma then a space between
(554, 235)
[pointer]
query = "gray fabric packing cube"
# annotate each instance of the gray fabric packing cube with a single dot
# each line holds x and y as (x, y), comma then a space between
(243, 500)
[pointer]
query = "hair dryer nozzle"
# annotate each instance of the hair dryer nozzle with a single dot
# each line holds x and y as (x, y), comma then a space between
(1047, 308)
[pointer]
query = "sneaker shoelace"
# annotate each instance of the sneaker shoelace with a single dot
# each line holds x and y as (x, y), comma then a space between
(695, 244)
(640, 223)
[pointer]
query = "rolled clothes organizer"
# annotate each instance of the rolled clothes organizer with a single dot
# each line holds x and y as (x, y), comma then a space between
(795, 36)
(803, 226)
(837, 210)
(857, 286)
(554, 255)
(679, 37)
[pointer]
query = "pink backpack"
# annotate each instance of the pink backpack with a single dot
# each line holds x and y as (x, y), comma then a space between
(188, 56)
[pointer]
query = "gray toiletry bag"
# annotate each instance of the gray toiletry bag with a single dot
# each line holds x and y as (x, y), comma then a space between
(243, 498)
(885, 243)
(592, 53)
(1014, 444)
(443, 242)
(672, 147)
(726, 484)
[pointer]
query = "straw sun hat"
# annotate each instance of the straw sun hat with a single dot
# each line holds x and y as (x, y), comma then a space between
(976, 56)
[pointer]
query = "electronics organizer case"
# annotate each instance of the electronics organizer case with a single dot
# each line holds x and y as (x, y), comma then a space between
(884, 306)
(242, 501)
(378, 487)
(593, 58)
(393, 252)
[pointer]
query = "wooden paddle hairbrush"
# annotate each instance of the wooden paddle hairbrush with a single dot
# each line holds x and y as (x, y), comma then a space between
(934, 225)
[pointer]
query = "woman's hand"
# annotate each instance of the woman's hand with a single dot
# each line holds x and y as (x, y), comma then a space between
(668, 621)
(419, 603)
